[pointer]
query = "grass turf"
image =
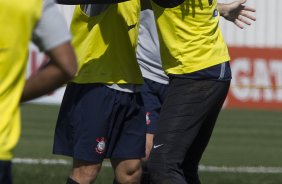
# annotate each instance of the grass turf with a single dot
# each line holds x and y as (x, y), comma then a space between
(240, 138)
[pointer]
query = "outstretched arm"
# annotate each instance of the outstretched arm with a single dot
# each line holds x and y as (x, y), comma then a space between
(237, 13)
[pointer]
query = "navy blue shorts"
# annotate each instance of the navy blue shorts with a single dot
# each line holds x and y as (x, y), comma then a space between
(153, 94)
(97, 122)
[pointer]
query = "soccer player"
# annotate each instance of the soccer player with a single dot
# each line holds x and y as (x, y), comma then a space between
(156, 81)
(18, 20)
(195, 57)
(102, 114)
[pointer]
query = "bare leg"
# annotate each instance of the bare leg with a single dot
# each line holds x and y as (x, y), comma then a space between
(127, 171)
(84, 172)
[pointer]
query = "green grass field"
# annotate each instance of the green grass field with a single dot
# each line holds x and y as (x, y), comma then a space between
(242, 138)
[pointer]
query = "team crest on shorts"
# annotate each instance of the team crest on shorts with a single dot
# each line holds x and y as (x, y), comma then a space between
(148, 121)
(101, 146)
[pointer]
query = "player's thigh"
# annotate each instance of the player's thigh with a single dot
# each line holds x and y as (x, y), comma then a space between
(129, 132)
(213, 107)
(82, 130)
(182, 116)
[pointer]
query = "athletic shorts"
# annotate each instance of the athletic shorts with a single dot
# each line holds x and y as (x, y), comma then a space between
(153, 94)
(5, 172)
(96, 122)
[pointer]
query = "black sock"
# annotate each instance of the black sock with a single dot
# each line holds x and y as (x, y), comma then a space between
(71, 181)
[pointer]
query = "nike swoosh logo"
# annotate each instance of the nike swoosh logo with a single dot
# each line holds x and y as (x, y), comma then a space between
(156, 146)
(131, 26)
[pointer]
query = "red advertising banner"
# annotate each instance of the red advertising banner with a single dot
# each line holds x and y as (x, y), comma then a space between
(256, 78)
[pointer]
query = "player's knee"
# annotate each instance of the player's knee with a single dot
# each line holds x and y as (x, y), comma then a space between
(131, 175)
(130, 178)
(85, 174)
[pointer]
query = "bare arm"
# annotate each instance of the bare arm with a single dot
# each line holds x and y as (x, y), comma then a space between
(60, 70)
(52, 36)
(237, 13)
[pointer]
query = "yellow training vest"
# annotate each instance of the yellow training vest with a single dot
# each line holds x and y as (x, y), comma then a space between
(105, 44)
(17, 20)
(190, 39)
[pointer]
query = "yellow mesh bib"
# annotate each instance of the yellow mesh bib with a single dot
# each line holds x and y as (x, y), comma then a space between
(105, 44)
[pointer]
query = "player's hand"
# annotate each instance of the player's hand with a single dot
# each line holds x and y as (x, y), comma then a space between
(237, 13)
